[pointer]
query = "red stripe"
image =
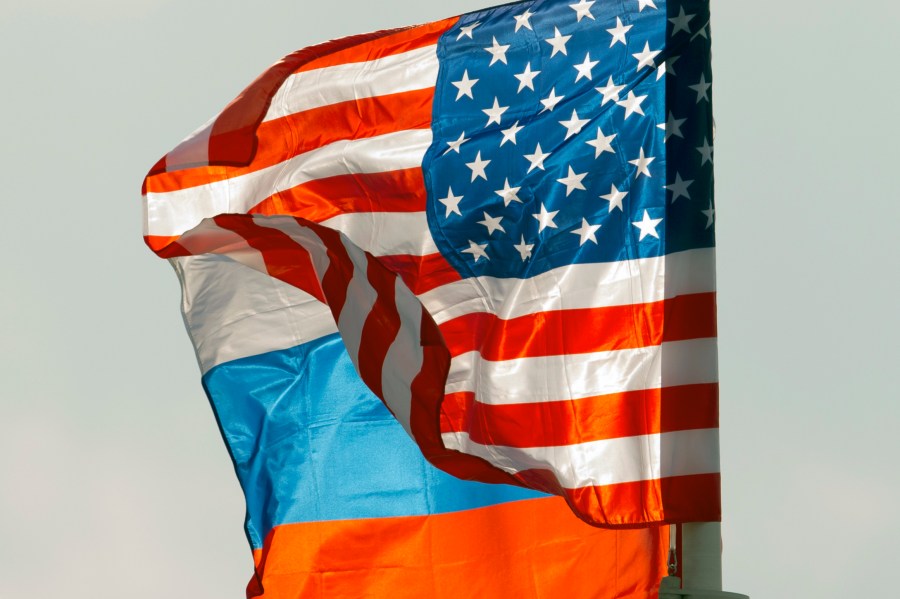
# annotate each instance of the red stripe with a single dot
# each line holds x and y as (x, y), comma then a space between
(165, 247)
(421, 273)
(282, 139)
(340, 269)
(397, 42)
(693, 498)
(525, 549)
(380, 328)
(611, 416)
(285, 259)
(582, 330)
(321, 199)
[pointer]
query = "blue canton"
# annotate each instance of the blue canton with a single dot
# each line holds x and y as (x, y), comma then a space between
(571, 132)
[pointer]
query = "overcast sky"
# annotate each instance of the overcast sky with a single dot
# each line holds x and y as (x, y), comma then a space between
(113, 479)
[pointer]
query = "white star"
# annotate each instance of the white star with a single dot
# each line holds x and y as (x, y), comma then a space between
(647, 226)
(526, 78)
(582, 9)
(477, 250)
(524, 249)
(573, 181)
(673, 127)
(451, 202)
(510, 134)
(545, 218)
(681, 22)
(586, 232)
(522, 20)
(641, 162)
(465, 85)
(603, 143)
(610, 92)
(574, 125)
(618, 33)
(706, 151)
(584, 69)
(551, 101)
(509, 194)
(668, 66)
(679, 188)
(632, 104)
(497, 52)
(467, 30)
(615, 198)
(495, 112)
(645, 57)
(492, 223)
(710, 214)
(536, 159)
(642, 4)
(558, 42)
(455, 145)
(478, 167)
(702, 88)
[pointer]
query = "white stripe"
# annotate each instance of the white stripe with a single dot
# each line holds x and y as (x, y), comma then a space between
(234, 312)
(386, 233)
(210, 237)
(404, 357)
(606, 462)
(576, 376)
(577, 286)
(413, 70)
(361, 296)
(172, 213)
(303, 236)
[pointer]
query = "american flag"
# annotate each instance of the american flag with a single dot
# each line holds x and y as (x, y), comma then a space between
(508, 216)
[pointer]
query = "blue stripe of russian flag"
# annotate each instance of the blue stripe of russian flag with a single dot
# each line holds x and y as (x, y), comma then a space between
(311, 443)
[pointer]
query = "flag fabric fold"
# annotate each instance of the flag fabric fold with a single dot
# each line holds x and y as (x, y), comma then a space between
(501, 224)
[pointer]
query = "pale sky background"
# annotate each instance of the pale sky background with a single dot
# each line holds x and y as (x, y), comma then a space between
(114, 482)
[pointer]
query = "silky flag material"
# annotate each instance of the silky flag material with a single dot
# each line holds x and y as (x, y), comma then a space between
(487, 241)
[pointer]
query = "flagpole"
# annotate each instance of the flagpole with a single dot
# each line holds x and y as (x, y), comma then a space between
(701, 567)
